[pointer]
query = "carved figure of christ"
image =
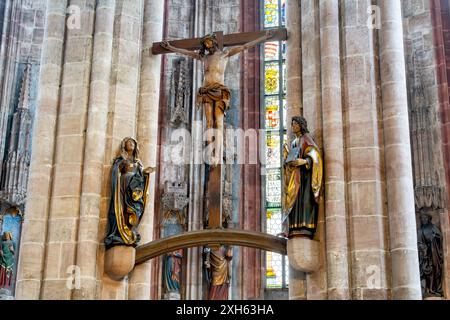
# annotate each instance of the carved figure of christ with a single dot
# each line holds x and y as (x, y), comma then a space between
(214, 95)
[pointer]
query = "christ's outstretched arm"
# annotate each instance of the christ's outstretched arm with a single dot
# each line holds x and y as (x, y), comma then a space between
(192, 54)
(269, 34)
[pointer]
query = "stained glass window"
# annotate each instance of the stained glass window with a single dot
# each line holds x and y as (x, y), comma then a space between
(272, 78)
(271, 13)
(274, 106)
(272, 113)
(273, 150)
(273, 188)
(271, 51)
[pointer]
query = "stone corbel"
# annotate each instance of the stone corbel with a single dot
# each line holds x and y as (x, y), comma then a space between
(120, 261)
(303, 254)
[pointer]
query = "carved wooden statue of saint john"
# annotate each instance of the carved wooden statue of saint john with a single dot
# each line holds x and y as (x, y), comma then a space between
(129, 192)
(303, 170)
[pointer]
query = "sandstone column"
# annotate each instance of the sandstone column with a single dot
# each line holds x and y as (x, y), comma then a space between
(94, 153)
(367, 213)
(333, 141)
(139, 284)
(122, 114)
(65, 201)
(400, 189)
(297, 280)
(312, 111)
(293, 62)
(32, 252)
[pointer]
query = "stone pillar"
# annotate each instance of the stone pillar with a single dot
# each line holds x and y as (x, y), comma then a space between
(32, 252)
(333, 141)
(297, 280)
(364, 155)
(122, 114)
(293, 62)
(65, 202)
(312, 111)
(147, 132)
(441, 41)
(89, 238)
(297, 284)
(400, 189)
(247, 261)
(5, 40)
(11, 55)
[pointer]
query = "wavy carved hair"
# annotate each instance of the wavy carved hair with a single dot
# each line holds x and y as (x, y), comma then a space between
(211, 37)
(302, 123)
(7, 236)
(124, 153)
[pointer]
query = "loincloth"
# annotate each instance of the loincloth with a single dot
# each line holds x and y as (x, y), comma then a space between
(215, 94)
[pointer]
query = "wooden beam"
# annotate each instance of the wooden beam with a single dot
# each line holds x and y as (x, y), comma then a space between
(192, 239)
(229, 40)
(215, 197)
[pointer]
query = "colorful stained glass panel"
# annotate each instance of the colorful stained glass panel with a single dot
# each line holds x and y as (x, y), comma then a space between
(271, 13)
(272, 78)
(271, 51)
(273, 150)
(273, 188)
(274, 219)
(274, 270)
(272, 113)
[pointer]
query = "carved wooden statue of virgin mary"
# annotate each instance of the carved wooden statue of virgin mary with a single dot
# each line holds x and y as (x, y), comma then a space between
(303, 171)
(129, 193)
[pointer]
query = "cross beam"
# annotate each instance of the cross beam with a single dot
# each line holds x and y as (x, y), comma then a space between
(229, 40)
(200, 238)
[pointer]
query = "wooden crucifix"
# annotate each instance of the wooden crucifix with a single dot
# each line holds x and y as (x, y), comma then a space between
(214, 96)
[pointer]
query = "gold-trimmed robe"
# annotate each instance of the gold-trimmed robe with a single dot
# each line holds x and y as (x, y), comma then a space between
(302, 187)
(129, 193)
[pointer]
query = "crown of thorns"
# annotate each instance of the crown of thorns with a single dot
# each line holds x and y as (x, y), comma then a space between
(211, 37)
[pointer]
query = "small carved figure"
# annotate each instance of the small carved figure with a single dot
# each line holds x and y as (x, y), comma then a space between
(7, 260)
(172, 271)
(431, 257)
(218, 267)
(303, 171)
(129, 192)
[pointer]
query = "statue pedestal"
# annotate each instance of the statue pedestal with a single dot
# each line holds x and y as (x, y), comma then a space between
(303, 254)
(119, 261)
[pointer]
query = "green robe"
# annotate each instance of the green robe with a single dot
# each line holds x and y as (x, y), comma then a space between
(7, 262)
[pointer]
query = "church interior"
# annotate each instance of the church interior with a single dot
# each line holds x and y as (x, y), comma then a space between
(225, 149)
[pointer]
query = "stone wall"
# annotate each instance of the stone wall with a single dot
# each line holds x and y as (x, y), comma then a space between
(176, 109)
(21, 42)
(98, 85)
(356, 107)
(440, 17)
(21, 29)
